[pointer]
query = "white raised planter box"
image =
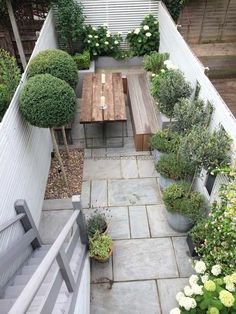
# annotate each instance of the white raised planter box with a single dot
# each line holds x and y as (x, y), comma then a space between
(81, 73)
(109, 62)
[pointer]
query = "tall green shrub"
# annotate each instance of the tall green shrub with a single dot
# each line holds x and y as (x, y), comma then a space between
(55, 62)
(175, 7)
(154, 61)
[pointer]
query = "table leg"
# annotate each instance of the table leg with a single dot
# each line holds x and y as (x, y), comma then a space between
(104, 134)
(123, 125)
(85, 135)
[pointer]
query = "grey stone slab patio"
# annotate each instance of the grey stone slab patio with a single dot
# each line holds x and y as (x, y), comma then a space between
(85, 194)
(168, 288)
(138, 222)
(118, 223)
(101, 272)
(99, 193)
(182, 256)
(133, 192)
(146, 168)
(129, 168)
(125, 298)
(144, 259)
(101, 169)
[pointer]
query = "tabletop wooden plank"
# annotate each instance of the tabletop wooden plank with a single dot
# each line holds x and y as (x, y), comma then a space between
(87, 99)
(97, 115)
(109, 113)
(119, 99)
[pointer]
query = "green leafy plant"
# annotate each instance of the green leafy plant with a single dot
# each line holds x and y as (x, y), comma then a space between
(166, 141)
(190, 113)
(9, 80)
(55, 62)
(69, 24)
(145, 39)
(100, 42)
(100, 246)
(175, 7)
(178, 199)
(174, 167)
(96, 223)
(207, 293)
(168, 88)
(82, 60)
(154, 61)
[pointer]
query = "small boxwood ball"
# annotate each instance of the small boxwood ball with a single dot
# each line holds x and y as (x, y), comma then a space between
(55, 62)
(47, 101)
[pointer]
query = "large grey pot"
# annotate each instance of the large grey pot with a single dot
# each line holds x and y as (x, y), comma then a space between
(157, 154)
(178, 222)
(165, 182)
(79, 86)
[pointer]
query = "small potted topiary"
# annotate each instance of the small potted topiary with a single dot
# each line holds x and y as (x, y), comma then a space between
(164, 141)
(172, 167)
(56, 62)
(184, 207)
(84, 65)
(100, 247)
(96, 223)
(154, 62)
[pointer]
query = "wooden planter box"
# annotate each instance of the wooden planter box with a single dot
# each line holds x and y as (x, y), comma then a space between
(81, 73)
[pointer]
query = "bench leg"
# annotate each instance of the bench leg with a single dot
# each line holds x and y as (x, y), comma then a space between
(85, 135)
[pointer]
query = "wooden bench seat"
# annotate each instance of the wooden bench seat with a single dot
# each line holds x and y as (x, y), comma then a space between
(143, 113)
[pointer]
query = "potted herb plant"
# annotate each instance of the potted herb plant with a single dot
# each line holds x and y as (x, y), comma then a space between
(184, 207)
(164, 141)
(96, 223)
(171, 168)
(100, 247)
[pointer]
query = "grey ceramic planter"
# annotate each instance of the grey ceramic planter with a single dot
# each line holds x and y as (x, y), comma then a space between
(109, 62)
(178, 222)
(156, 155)
(81, 73)
(165, 182)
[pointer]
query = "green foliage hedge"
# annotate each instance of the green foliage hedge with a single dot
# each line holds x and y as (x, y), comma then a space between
(47, 101)
(154, 62)
(165, 141)
(55, 62)
(175, 7)
(82, 60)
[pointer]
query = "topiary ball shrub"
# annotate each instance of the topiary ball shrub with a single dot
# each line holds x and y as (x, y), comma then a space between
(55, 62)
(46, 101)
(166, 141)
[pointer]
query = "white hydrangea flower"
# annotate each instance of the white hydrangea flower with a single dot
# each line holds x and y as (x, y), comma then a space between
(204, 278)
(137, 31)
(179, 296)
(153, 74)
(200, 267)
(188, 291)
(155, 22)
(89, 41)
(96, 36)
(97, 45)
(129, 32)
(230, 287)
(176, 310)
(188, 303)
(148, 34)
(106, 43)
(116, 42)
(162, 70)
(108, 35)
(193, 280)
(139, 40)
(105, 24)
(146, 27)
(197, 289)
(119, 33)
(94, 28)
(90, 36)
(216, 270)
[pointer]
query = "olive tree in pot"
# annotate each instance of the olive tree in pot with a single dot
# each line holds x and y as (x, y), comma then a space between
(164, 142)
(184, 208)
(173, 167)
(48, 102)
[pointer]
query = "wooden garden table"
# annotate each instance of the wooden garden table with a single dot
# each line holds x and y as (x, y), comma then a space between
(92, 109)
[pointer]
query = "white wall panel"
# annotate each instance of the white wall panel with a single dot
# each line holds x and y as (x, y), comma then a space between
(24, 158)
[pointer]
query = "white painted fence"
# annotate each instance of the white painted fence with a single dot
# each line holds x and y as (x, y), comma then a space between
(24, 158)
(180, 53)
(120, 15)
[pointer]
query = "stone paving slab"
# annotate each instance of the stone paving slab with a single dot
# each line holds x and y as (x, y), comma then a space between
(158, 223)
(146, 168)
(85, 194)
(182, 256)
(129, 168)
(138, 222)
(133, 192)
(99, 193)
(101, 169)
(168, 288)
(101, 272)
(125, 298)
(144, 259)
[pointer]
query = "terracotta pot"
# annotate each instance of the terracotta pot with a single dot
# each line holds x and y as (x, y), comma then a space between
(100, 260)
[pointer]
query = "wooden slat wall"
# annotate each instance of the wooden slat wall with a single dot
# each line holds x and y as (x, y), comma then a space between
(205, 21)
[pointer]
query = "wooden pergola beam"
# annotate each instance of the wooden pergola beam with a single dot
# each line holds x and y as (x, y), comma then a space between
(16, 33)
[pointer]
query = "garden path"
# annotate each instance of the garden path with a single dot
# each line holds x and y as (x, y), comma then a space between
(150, 262)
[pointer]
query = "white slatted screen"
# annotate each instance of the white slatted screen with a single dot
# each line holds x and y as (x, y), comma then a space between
(120, 15)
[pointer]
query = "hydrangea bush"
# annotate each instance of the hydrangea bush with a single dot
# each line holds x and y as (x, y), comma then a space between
(100, 42)
(209, 293)
(146, 38)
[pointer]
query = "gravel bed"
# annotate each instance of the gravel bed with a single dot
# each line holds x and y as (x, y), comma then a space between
(74, 170)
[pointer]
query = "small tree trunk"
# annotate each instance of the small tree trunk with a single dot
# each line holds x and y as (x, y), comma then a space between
(194, 177)
(58, 156)
(65, 140)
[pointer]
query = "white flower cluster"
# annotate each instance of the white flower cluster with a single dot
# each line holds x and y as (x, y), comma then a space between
(170, 66)
(200, 267)
(146, 27)
(216, 270)
(176, 310)
(137, 31)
